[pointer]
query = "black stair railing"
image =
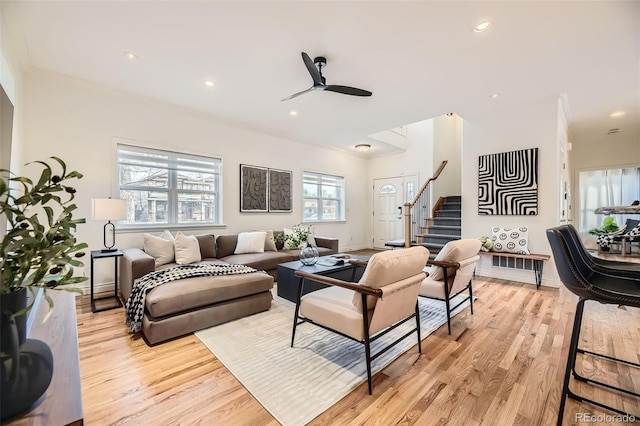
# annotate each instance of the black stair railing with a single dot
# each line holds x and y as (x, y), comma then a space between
(417, 212)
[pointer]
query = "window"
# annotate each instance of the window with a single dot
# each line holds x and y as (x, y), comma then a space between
(169, 188)
(323, 197)
(603, 188)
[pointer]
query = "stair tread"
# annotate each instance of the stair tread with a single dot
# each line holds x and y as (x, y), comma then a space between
(443, 227)
(455, 237)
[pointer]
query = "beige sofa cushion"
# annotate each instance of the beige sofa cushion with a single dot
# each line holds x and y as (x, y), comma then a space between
(263, 261)
(192, 293)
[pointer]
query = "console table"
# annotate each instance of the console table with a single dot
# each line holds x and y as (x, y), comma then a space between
(61, 404)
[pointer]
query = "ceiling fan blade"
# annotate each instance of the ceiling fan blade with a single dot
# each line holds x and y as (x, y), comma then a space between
(347, 90)
(311, 67)
(297, 94)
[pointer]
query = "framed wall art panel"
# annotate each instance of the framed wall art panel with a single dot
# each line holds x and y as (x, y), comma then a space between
(280, 199)
(253, 188)
(508, 183)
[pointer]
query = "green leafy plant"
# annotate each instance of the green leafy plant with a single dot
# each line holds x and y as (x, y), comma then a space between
(608, 225)
(39, 248)
(298, 238)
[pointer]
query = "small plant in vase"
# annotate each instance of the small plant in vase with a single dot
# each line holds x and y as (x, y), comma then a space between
(298, 238)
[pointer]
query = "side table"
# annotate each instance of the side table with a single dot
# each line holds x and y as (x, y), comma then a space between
(99, 254)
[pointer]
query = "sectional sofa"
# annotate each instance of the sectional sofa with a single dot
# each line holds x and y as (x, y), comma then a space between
(186, 305)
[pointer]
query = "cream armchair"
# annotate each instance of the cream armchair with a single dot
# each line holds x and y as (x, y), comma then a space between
(385, 297)
(451, 273)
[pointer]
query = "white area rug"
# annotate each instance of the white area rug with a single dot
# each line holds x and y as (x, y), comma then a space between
(297, 384)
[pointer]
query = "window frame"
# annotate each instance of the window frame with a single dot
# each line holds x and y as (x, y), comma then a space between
(341, 199)
(172, 189)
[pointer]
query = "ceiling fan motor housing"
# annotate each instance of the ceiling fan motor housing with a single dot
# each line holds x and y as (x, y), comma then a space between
(320, 61)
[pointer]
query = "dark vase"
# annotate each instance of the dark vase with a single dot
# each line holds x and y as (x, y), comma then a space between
(26, 365)
(12, 302)
(309, 255)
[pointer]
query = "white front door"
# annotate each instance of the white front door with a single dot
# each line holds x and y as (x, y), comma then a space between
(388, 195)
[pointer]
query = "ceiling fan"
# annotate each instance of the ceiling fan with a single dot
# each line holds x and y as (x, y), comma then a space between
(319, 82)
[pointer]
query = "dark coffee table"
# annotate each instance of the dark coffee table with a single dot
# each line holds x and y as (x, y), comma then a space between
(288, 282)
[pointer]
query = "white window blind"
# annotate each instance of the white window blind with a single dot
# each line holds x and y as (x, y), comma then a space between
(169, 188)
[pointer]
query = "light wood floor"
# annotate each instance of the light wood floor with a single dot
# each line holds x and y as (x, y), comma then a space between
(503, 365)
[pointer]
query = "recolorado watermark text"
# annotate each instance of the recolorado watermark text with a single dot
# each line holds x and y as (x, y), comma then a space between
(604, 418)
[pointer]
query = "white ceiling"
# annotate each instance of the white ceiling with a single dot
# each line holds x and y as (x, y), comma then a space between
(420, 59)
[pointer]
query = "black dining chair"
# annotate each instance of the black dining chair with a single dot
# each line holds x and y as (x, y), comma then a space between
(589, 283)
(610, 267)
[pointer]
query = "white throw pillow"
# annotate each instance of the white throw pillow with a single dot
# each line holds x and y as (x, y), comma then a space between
(160, 248)
(250, 242)
(187, 249)
(509, 240)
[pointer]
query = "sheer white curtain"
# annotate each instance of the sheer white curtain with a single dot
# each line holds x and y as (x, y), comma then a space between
(602, 188)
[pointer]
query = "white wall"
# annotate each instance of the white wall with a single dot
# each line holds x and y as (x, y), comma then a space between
(416, 159)
(530, 125)
(78, 122)
(447, 134)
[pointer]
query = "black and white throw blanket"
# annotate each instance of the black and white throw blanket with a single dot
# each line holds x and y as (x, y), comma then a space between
(135, 304)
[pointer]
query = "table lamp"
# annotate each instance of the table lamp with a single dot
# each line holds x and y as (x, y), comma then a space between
(109, 209)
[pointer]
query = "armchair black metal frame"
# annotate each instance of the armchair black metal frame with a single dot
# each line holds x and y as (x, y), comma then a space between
(368, 340)
(588, 282)
(445, 265)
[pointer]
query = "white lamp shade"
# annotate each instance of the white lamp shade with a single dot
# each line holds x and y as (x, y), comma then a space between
(108, 209)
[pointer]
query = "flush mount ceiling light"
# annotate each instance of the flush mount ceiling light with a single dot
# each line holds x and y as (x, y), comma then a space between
(617, 114)
(209, 83)
(131, 55)
(482, 26)
(363, 147)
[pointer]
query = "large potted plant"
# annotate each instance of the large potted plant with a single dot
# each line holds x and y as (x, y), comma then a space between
(38, 251)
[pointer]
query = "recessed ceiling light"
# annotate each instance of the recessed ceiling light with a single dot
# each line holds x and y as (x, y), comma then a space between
(482, 26)
(293, 113)
(209, 83)
(494, 95)
(617, 114)
(131, 55)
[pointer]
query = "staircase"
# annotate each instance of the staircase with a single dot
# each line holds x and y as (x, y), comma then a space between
(443, 227)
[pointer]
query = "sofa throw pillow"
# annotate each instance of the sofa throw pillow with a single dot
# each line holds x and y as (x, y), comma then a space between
(510, 240)
(187, 249)
(269, 241)
(160, 248)
(250, 242)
